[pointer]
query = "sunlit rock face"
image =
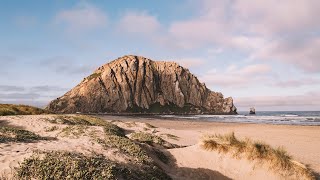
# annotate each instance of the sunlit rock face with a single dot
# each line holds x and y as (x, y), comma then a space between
(139, 85)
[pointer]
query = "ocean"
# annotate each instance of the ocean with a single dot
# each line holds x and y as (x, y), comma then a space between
(303, 118)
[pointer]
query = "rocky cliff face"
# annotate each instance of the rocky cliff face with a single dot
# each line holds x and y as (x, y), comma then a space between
(138, 84)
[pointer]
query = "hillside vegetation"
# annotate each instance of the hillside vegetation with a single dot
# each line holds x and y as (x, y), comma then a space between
(12, 109)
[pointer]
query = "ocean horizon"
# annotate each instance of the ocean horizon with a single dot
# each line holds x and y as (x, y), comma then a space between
(303, 118)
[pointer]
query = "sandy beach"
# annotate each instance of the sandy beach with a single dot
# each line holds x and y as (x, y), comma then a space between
(300, 141)
(188, 159)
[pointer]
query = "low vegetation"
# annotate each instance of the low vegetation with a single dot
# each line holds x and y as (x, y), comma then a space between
(73, 165)
(11, 134)
(11, 109)
(52, 128)
(73, 131)
(127, 147)
(93, 76)
(111, 129)
(66, 165)
(147, 138)
(278, 159)
(78, 120)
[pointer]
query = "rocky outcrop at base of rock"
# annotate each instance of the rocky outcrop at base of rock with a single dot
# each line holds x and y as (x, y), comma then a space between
(138, 84)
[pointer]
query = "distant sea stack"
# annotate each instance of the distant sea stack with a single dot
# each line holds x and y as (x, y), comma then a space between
(252, 110)
(135, 84)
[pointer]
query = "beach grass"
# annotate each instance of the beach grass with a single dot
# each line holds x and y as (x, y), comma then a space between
(277, 158)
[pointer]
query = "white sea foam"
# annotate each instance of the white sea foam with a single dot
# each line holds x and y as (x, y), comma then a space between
(307, 118)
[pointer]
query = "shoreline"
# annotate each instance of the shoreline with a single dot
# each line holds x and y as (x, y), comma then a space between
(157, 117)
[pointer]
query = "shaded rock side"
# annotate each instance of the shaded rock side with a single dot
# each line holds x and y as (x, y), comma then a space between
(137, 84)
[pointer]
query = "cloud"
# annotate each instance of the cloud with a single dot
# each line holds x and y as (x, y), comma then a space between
(297, 82)
(139, 22)
(47, 88)
(14, 96)
(190, 62)
(285, 31)
(234, 76)
(65, 65)
(82, 17)
(303, 54)
(272, 17)
(11, 88)
(36, 103)
(309, 100)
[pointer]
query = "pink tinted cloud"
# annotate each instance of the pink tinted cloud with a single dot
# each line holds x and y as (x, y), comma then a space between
(309, 100)
(139, 22)
(82, 17)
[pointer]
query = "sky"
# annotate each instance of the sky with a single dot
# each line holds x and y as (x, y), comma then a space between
(265, 54)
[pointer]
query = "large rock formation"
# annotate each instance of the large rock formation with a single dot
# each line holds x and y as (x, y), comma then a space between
(137, 84)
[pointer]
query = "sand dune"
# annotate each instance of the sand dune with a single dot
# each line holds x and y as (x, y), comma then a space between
(189, 161)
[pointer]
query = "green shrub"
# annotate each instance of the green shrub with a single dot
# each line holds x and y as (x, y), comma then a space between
(126, 146)
(10, 134)
(147, 138)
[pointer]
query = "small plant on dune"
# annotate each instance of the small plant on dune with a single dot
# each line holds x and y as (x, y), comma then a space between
(279, 159)
(50, 129)
(11, 134)
(147, 138)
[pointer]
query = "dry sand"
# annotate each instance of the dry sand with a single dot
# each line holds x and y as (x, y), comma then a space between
(191, 162)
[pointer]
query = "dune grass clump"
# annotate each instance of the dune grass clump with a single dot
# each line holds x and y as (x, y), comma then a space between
(66, 165)
(11, 134)
(111, 129)
(78, 120)
(12, 109)
(279, 160)
(147, 138)
(126, 146)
